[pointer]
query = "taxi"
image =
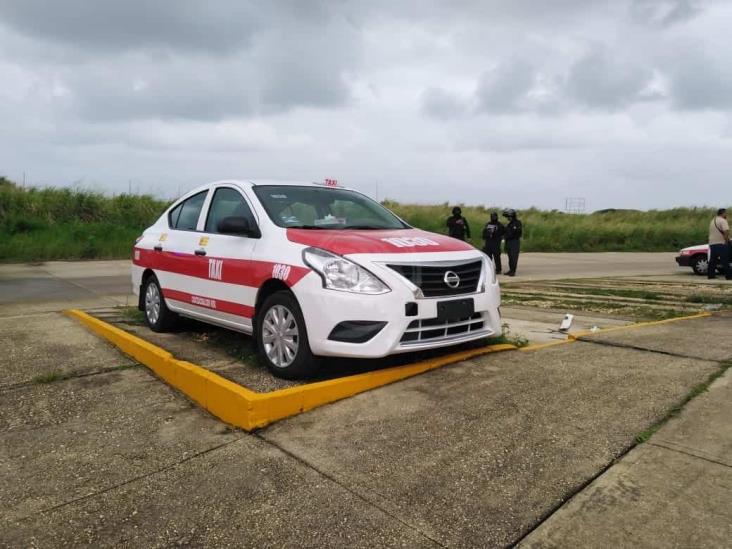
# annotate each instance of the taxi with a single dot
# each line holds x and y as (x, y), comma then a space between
(311, 270)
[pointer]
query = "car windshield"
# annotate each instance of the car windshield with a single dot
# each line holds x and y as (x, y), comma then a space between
(324, 208)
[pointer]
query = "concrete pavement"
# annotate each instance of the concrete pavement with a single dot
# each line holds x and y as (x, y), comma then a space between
(652, 498)
(474, 454)
(673, 491)
(94, 450)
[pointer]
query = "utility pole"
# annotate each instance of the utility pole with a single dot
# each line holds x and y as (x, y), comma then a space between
(129, 186)
(23, 179)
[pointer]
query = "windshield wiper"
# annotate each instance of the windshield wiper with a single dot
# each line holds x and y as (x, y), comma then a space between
(312, 227)
(366, 227)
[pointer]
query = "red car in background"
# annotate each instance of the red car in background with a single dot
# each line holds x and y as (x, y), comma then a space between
(696, 257)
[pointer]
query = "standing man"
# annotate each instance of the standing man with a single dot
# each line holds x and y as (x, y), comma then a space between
(514, 231)
(719, 245)
(493, 234)
(457, 225)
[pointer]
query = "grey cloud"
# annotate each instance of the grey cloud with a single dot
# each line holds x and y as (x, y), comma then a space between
(664, 13)
(699, 81)
(505, 88)
(112, 25)
(607, 81)
(441, 104)
(144, 90)
(299, 63)
(307, 66)
(191, 91)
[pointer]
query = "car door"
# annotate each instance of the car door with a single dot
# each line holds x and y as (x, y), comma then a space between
(178, 268)
(230, 290)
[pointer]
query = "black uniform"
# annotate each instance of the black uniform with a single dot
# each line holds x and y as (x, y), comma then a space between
(493, 234)
(458, 227)
(514, 230)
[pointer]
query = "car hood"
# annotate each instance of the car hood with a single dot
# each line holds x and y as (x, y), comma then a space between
(345, 242)
(698, 248)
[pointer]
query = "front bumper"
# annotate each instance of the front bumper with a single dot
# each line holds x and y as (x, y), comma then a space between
(325, 309)
(683, 260)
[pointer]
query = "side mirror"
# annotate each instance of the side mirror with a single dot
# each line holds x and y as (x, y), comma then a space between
(236, 226)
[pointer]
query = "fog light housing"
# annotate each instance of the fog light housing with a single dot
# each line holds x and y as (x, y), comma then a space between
(356, 331)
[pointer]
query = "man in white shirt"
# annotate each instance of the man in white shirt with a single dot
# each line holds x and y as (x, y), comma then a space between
(719, 245)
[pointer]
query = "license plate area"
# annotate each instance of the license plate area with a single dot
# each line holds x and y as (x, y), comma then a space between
(455, 310)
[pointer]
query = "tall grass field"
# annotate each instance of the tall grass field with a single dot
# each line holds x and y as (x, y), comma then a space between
(50, 223)
(47, 224)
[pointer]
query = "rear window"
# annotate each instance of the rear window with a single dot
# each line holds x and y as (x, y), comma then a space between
(184, 216)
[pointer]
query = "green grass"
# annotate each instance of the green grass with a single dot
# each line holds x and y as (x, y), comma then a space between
(47, 224)
(612, 292)
(507, 336)
(711, 299)
(132, 315)
(555, 231)
(626, 310)
(697, 390)
(54, 223)
(49, 377)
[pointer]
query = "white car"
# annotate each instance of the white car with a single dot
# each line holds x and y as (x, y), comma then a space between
(311, 270)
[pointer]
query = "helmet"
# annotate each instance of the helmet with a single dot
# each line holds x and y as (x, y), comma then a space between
(509, 212)
(456, 210)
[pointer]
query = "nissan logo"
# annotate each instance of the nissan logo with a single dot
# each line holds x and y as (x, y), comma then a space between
(452, 279)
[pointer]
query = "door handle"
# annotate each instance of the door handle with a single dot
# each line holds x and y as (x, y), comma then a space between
(158, 248)
(200, 252)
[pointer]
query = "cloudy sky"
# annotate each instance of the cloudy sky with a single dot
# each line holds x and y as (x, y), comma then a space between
(511, 102)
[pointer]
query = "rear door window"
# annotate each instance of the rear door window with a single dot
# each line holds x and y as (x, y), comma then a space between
(184, 216)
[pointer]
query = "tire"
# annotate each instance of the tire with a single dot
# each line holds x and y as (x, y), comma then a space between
(157, 315)
(700, 265)
(282, 337)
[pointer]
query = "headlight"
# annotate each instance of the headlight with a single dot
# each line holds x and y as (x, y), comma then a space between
(489, 269)
(338, 273)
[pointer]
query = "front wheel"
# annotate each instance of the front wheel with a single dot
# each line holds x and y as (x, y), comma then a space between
(700, 265)
(282, 337)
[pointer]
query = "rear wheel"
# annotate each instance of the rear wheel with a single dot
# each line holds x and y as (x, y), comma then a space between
(700, 265)
(159, 318)
(282, 338)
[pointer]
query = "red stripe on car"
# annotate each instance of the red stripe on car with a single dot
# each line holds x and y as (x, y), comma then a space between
(407, 241)
(233, 271)
(230, 307)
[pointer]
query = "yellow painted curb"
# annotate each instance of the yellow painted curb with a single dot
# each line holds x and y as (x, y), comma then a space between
(638, 325)
(248, 409)
(537, 346)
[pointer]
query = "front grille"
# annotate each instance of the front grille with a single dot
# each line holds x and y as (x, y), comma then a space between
(432, 329)
(431, 278)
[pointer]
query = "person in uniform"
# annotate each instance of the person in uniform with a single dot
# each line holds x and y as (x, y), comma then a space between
(514, 231)
(719, 245)
(457, 225)
(492, 235)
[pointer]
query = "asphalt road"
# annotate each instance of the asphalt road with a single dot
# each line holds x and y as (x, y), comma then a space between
(56, 284)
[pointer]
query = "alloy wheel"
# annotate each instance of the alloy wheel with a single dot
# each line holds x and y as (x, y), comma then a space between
(280, 336)
(152, 303)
